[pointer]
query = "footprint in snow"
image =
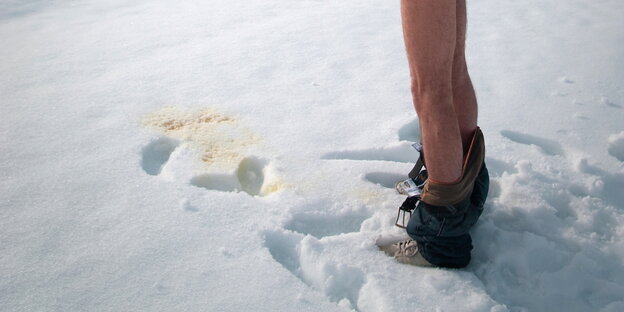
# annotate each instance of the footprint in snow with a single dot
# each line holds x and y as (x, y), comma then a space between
(321, 225)
(207, 149)
(300, 246)
(303, 256)
(410, 131)
(156, 154)
(401, 152)
(385, 179)
(405, 153)
(253, 176)
(616, 145)
(546, 146)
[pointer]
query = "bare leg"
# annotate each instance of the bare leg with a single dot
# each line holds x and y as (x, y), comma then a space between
(464, 99)
(430, 33)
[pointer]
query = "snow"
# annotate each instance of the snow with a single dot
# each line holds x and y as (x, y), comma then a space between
(240, 156)
(616, 145)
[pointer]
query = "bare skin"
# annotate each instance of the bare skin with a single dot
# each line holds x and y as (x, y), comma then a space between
(435, 34)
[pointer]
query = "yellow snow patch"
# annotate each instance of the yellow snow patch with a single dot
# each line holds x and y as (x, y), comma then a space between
(224, 146)
(221, 139)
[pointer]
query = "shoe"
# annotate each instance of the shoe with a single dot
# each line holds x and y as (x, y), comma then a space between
(406, 252)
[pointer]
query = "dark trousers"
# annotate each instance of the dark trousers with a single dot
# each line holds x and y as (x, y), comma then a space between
(442, 231)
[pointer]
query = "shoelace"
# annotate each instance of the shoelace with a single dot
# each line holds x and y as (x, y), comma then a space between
(408, 248)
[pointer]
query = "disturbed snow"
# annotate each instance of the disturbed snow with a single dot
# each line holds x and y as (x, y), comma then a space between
(240, 156)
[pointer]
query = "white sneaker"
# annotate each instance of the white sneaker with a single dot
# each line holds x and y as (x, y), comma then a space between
(406, 252)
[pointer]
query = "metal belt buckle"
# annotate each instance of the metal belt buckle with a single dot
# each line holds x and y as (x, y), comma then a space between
(405, 211)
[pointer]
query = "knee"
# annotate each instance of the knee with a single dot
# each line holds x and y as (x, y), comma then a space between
(430, 90)
(461, 79)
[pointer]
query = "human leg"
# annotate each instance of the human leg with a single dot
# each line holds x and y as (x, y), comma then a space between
(464, 98)
(453, 196)
(430, 30)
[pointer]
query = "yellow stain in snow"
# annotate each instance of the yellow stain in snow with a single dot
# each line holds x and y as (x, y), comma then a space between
(221, 139)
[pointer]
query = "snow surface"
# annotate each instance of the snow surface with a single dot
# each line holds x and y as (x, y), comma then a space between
(240, 155)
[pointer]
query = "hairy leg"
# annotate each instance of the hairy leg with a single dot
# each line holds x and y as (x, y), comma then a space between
(464, 98)
(430, 34)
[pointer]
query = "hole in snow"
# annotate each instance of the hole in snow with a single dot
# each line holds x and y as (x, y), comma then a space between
(410, 132)
(404, 153)
(385, 179)
(303, 257)
(323, 225)
(253, 176)
(547, 146)
(616, 145)
(250, 174)
(157, 153)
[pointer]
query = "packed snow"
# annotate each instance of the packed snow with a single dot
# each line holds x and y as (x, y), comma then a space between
(241, 156)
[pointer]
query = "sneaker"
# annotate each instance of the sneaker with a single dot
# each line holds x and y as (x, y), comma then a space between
(406, 252)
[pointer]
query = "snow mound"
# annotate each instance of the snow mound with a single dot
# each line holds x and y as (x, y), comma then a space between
(616, 145)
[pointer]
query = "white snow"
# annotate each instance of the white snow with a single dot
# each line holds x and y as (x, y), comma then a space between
(616, 145)
(240, 156)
